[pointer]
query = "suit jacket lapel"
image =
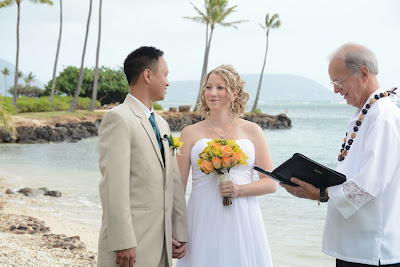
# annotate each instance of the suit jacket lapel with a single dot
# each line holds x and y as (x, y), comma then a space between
(164, 132)
(137, 110)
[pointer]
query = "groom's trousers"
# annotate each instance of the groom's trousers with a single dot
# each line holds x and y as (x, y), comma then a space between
(164, 259)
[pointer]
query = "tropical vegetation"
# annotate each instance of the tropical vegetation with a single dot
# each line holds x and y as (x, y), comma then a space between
(272, 22)
(78, 87)
(5, 117)
(5, 72)
(6, 3)
(96, 68)
(112, 84)
(216, 13)
(42, 104)
(53, 80)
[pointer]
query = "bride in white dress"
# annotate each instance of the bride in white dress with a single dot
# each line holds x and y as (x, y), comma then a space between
(220, 235)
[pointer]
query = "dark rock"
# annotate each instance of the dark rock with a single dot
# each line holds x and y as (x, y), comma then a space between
(184, 108)
(172, 109)
(45, 189)
(10, 191)
(53, 193)
(28, 194)
(25, 190)
(21, 227)
(13, 227)
(42, 133)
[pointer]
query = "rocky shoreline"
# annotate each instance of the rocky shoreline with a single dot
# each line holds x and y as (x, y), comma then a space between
(75, 131)
(28, 241)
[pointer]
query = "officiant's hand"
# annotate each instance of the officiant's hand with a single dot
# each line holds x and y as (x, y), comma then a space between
(228, 189)
(304, 190)
(178, 249)
(126, 257)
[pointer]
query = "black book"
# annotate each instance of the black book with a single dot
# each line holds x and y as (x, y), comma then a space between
(305, 169)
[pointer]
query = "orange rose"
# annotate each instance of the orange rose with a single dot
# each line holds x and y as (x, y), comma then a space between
(217, 145)
(236, 157)
(226, 162)
(227, 151)
(207, 166)
(216, 162)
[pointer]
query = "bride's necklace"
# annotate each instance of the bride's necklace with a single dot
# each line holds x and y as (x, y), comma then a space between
(347, 143)
(222, 136)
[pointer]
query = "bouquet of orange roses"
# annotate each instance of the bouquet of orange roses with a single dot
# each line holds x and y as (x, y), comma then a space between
(220, 156)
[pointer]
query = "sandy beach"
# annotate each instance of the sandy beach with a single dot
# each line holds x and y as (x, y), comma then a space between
(18, 248)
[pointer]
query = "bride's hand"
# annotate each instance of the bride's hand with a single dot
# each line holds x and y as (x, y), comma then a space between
(228, 189)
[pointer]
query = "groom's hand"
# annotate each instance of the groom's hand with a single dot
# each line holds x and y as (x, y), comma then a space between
(178, 249)
(126, 257)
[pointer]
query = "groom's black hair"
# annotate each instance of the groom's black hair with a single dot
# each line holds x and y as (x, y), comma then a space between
(145, 57)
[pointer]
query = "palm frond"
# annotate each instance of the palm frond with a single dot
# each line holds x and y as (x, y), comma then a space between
(199, 11)
(42, 2)
(6, 3)
(196, 19)
(276, 25)
(232, 23)
(5, 118)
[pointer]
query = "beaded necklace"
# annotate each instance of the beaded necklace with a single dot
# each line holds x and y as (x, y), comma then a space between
(345, 148)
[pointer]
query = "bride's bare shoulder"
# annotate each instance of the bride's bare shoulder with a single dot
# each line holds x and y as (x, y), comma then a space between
(193, 132)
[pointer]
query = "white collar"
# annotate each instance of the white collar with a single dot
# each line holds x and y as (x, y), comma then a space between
(145, 109)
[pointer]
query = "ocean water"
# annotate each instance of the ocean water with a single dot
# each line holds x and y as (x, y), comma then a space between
(294, 226)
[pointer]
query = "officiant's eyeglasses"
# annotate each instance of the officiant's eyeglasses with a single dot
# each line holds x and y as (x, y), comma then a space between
(340, 83)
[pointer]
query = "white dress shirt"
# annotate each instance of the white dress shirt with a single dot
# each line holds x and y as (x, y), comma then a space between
(363, 217)
(146, 110)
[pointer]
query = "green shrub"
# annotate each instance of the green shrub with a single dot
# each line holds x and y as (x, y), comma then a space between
(157, 106)
(7, 103)
(257, 110)
(42, 104)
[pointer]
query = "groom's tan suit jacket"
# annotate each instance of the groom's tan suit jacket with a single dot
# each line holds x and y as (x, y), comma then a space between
(142, 197)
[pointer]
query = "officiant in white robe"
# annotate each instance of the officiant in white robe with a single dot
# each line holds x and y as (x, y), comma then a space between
(362, 224)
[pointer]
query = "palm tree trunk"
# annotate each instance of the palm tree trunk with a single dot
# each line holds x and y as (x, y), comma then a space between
(53, 82)
(261, 77)
(14, 101)
(96, 71)
(202, 71)
(78, 88)
(5, 82)
(205, 65)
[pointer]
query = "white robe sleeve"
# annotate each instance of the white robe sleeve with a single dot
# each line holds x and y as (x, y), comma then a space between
(381, 148)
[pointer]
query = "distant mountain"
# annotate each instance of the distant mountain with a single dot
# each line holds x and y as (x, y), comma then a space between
(10, 78)
(275, 87)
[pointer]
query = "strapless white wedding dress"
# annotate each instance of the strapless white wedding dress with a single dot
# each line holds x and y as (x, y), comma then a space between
(224, 236)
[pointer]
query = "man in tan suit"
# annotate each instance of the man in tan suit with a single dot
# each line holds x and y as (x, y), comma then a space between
(144, 209)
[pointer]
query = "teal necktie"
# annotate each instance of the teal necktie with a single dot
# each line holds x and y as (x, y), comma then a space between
(155, 129)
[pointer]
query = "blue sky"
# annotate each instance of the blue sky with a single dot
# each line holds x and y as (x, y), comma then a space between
(310, 31)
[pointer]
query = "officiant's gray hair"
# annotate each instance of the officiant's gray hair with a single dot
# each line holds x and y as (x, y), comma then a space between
(355, 56)
(234, 84)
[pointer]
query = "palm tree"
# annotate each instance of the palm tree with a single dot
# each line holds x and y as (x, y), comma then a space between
(53, 81)
(96, 70)
(6, 3)
(78, 87)
(216, 12)
(270, 23)
(5, 118)
(30, 78)
(5, 72)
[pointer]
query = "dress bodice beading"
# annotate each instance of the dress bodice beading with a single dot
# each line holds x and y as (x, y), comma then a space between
(239, 174)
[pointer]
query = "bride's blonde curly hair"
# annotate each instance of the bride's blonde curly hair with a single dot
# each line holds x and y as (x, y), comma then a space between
(233, 84)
